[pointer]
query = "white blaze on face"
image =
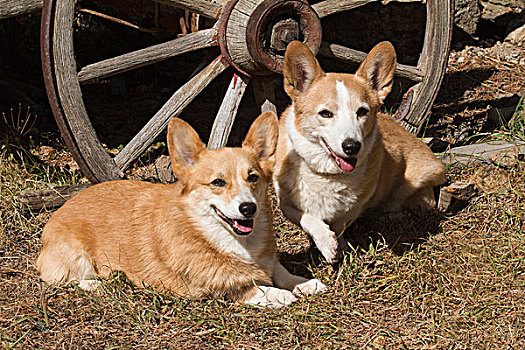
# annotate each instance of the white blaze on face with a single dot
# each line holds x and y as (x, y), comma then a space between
(345, 124)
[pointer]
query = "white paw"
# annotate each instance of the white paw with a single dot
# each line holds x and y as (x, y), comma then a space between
(324, 238)
(327, 244)
(310, 287)
(89, 285)
(272, 297)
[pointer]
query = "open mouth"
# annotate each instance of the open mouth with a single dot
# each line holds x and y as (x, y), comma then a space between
(345, 164)
(240, 227)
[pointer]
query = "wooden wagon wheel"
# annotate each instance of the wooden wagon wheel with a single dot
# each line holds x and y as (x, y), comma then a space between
(252, 36)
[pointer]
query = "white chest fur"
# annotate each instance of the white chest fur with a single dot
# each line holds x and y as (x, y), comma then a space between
(334, 198)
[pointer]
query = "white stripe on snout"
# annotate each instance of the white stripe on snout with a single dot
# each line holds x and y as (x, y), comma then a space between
(346, 119)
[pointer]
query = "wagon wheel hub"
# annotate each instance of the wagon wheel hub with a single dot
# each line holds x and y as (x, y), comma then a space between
(253, 35)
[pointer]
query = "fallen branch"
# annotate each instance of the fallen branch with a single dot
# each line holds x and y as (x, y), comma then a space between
(49, 199)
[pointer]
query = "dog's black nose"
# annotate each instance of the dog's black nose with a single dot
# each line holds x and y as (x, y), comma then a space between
(351, 147)
(248, 209)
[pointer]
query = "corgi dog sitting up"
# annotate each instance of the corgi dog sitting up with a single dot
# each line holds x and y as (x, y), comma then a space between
(209, 235)
(338, 156)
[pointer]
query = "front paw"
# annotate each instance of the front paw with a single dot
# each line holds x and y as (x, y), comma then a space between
(327, 245)
(310, 287)
(271, 297)
(324, 238)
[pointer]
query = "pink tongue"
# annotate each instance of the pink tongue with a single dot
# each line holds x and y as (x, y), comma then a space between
(241, 227)
(346, 166)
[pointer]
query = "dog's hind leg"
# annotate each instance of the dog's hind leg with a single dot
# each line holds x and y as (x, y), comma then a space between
(423, 201)
(61, 262)
(416, 193)
(421, 179)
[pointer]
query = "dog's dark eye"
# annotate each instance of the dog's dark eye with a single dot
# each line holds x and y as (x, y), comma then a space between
(218, 183)
(253, 178)
(361, 112)
(326, 114)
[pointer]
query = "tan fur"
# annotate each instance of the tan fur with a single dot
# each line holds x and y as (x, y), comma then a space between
(156, 234)
(394, 169)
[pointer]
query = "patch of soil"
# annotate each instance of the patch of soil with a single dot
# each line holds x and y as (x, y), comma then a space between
(478, 79)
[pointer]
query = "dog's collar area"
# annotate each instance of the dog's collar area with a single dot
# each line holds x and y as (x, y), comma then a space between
(240, 227)
(345, 164)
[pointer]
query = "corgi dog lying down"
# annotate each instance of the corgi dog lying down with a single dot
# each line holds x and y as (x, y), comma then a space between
(338, 156)
(209, 235)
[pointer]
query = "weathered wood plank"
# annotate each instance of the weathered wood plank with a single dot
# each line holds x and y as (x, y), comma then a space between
(11, 8)
(264, 93)
(172, 108)
(455, 195)
(223, 122)
(210, 9)
(148, 55)
(354, 56)
(481, 152)
(49, 199)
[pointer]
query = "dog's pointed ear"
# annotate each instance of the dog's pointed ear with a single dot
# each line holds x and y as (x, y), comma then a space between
(262, 139)
(301, 68)
(184, 146)
(378, 69)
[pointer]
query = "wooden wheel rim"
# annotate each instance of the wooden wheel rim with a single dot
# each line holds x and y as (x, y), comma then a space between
(95, 162)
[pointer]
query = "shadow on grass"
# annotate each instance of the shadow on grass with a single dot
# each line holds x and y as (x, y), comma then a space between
(400, 235)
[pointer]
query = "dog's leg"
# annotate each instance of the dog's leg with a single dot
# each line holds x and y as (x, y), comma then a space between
(324, 238)
(66, 262)
(297, 284)
(423, 201)
(268, 296)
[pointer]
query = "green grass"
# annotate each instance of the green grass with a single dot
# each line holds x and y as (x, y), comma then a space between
(515, 127)
(455, 281)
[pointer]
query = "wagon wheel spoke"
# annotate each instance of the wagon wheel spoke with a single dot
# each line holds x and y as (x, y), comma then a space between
(148, 55)
(226, 116)
(210, 9)
(329, 7)
(172, 108)
(354, 56)
(264, 92)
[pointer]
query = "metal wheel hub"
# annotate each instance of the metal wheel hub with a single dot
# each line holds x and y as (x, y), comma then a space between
(255, 42)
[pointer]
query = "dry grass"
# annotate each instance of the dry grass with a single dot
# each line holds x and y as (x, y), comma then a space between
(455, 281)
